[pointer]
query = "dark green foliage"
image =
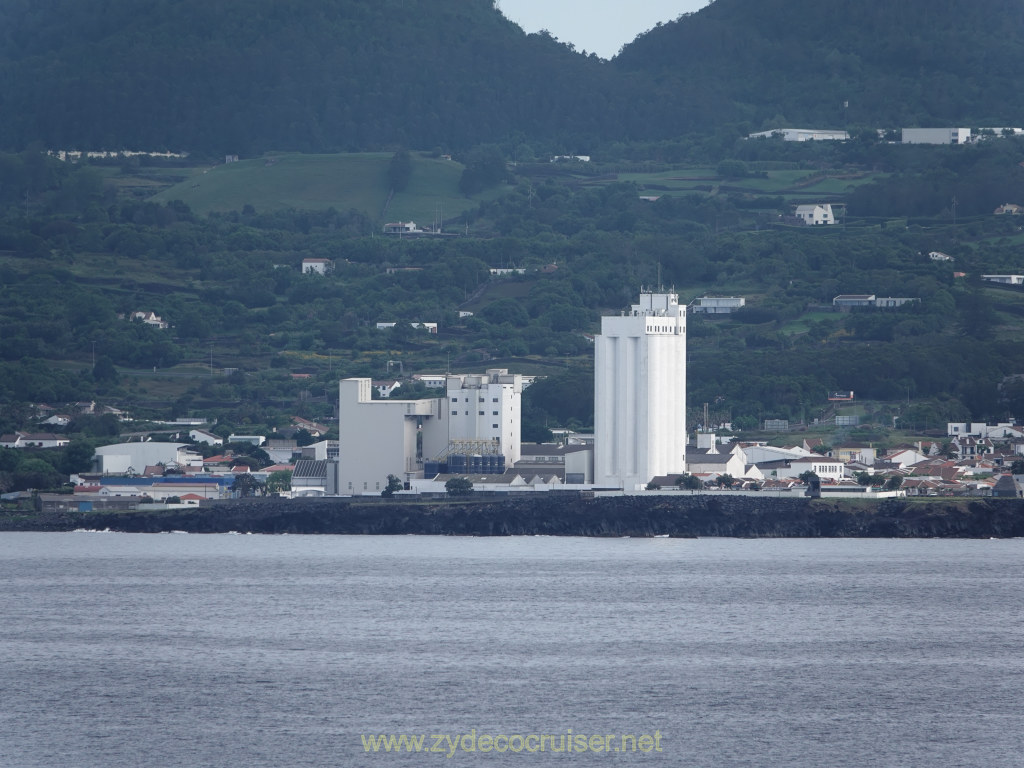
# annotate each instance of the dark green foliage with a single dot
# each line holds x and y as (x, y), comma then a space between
(458, 486)
(394, 484)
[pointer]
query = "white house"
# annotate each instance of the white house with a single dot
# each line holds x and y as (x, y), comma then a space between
(256, 440)
(431, 380)
(149, 318)
(317, 266)
(401, 228)
(939, 256)
(429, 327)
(1004, 279)
(1009, 209)
(33, 440)
(816, 215)
(202, 436)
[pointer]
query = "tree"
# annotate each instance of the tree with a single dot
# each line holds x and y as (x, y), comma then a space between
(278, 481)
(104, 370)
(893, 483)
(1017, 467)
(653, 486)
(724, 481)
(35, 473)
(689, 482)
(808, 477)
(394, 484)
(246, 485)
(77, 457)
(459, 486)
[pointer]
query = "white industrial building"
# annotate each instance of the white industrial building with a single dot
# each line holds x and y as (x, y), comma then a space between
(377, 438)
(133, 458)
(480, 413)
(486, 408)
(936, 135)
(802, 134)
(640, 393)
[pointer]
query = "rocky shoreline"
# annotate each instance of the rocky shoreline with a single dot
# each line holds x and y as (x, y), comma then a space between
(558, 514)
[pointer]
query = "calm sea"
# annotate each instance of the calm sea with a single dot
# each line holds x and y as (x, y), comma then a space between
(187, 650)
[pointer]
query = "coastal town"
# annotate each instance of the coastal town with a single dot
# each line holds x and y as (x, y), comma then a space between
(466, 437)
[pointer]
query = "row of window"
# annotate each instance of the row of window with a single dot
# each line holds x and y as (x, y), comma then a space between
(479, 400)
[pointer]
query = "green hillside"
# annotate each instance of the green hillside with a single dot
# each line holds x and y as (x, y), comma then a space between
(316, 182)
(253, 76)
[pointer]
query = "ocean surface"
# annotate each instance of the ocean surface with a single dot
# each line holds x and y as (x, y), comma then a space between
(121, 650)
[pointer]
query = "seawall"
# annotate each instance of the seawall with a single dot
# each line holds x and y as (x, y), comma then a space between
(564, 514)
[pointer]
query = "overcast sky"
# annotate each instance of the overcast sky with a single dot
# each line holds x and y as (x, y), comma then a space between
(596, 26)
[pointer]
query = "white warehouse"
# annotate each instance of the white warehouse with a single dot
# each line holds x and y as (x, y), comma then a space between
(133, 458)
(936, 135)
(640, 393)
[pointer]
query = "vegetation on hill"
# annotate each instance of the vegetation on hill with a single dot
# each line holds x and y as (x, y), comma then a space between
(245, 78)
(778, 63)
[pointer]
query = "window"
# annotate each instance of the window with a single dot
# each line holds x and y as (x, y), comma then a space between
(455, 399)
(494, 413)
(494, 399)
(494, 426)
(455, 413)
(480, 413)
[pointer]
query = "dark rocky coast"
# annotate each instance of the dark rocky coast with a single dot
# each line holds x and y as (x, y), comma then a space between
(565, 514)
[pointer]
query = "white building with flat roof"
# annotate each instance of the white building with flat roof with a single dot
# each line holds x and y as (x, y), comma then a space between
(486, 407)
(377, 438)
(802, 134)
(936, 135)
(640, 393)
(479, 413)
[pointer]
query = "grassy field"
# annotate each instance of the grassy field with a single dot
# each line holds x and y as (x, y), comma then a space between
(316, 182)
(797, 185)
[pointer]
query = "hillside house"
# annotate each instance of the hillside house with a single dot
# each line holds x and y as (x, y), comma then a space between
(1009, 209)
(33, 440)
(847, 301)
(939, 256)
(401, 228)
(815, 215)
(1004, 279)
(149, 318)
(317, 266)
(202, 436)
(713, 305)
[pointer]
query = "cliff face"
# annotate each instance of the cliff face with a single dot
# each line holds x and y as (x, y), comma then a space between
(560, 515)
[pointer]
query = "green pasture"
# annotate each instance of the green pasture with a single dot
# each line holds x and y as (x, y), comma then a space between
(316, 182)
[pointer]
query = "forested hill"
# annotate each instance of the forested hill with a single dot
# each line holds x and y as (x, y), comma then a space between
(243, 76)
(905, 63)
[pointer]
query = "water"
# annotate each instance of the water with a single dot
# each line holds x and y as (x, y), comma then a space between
(183, 650)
